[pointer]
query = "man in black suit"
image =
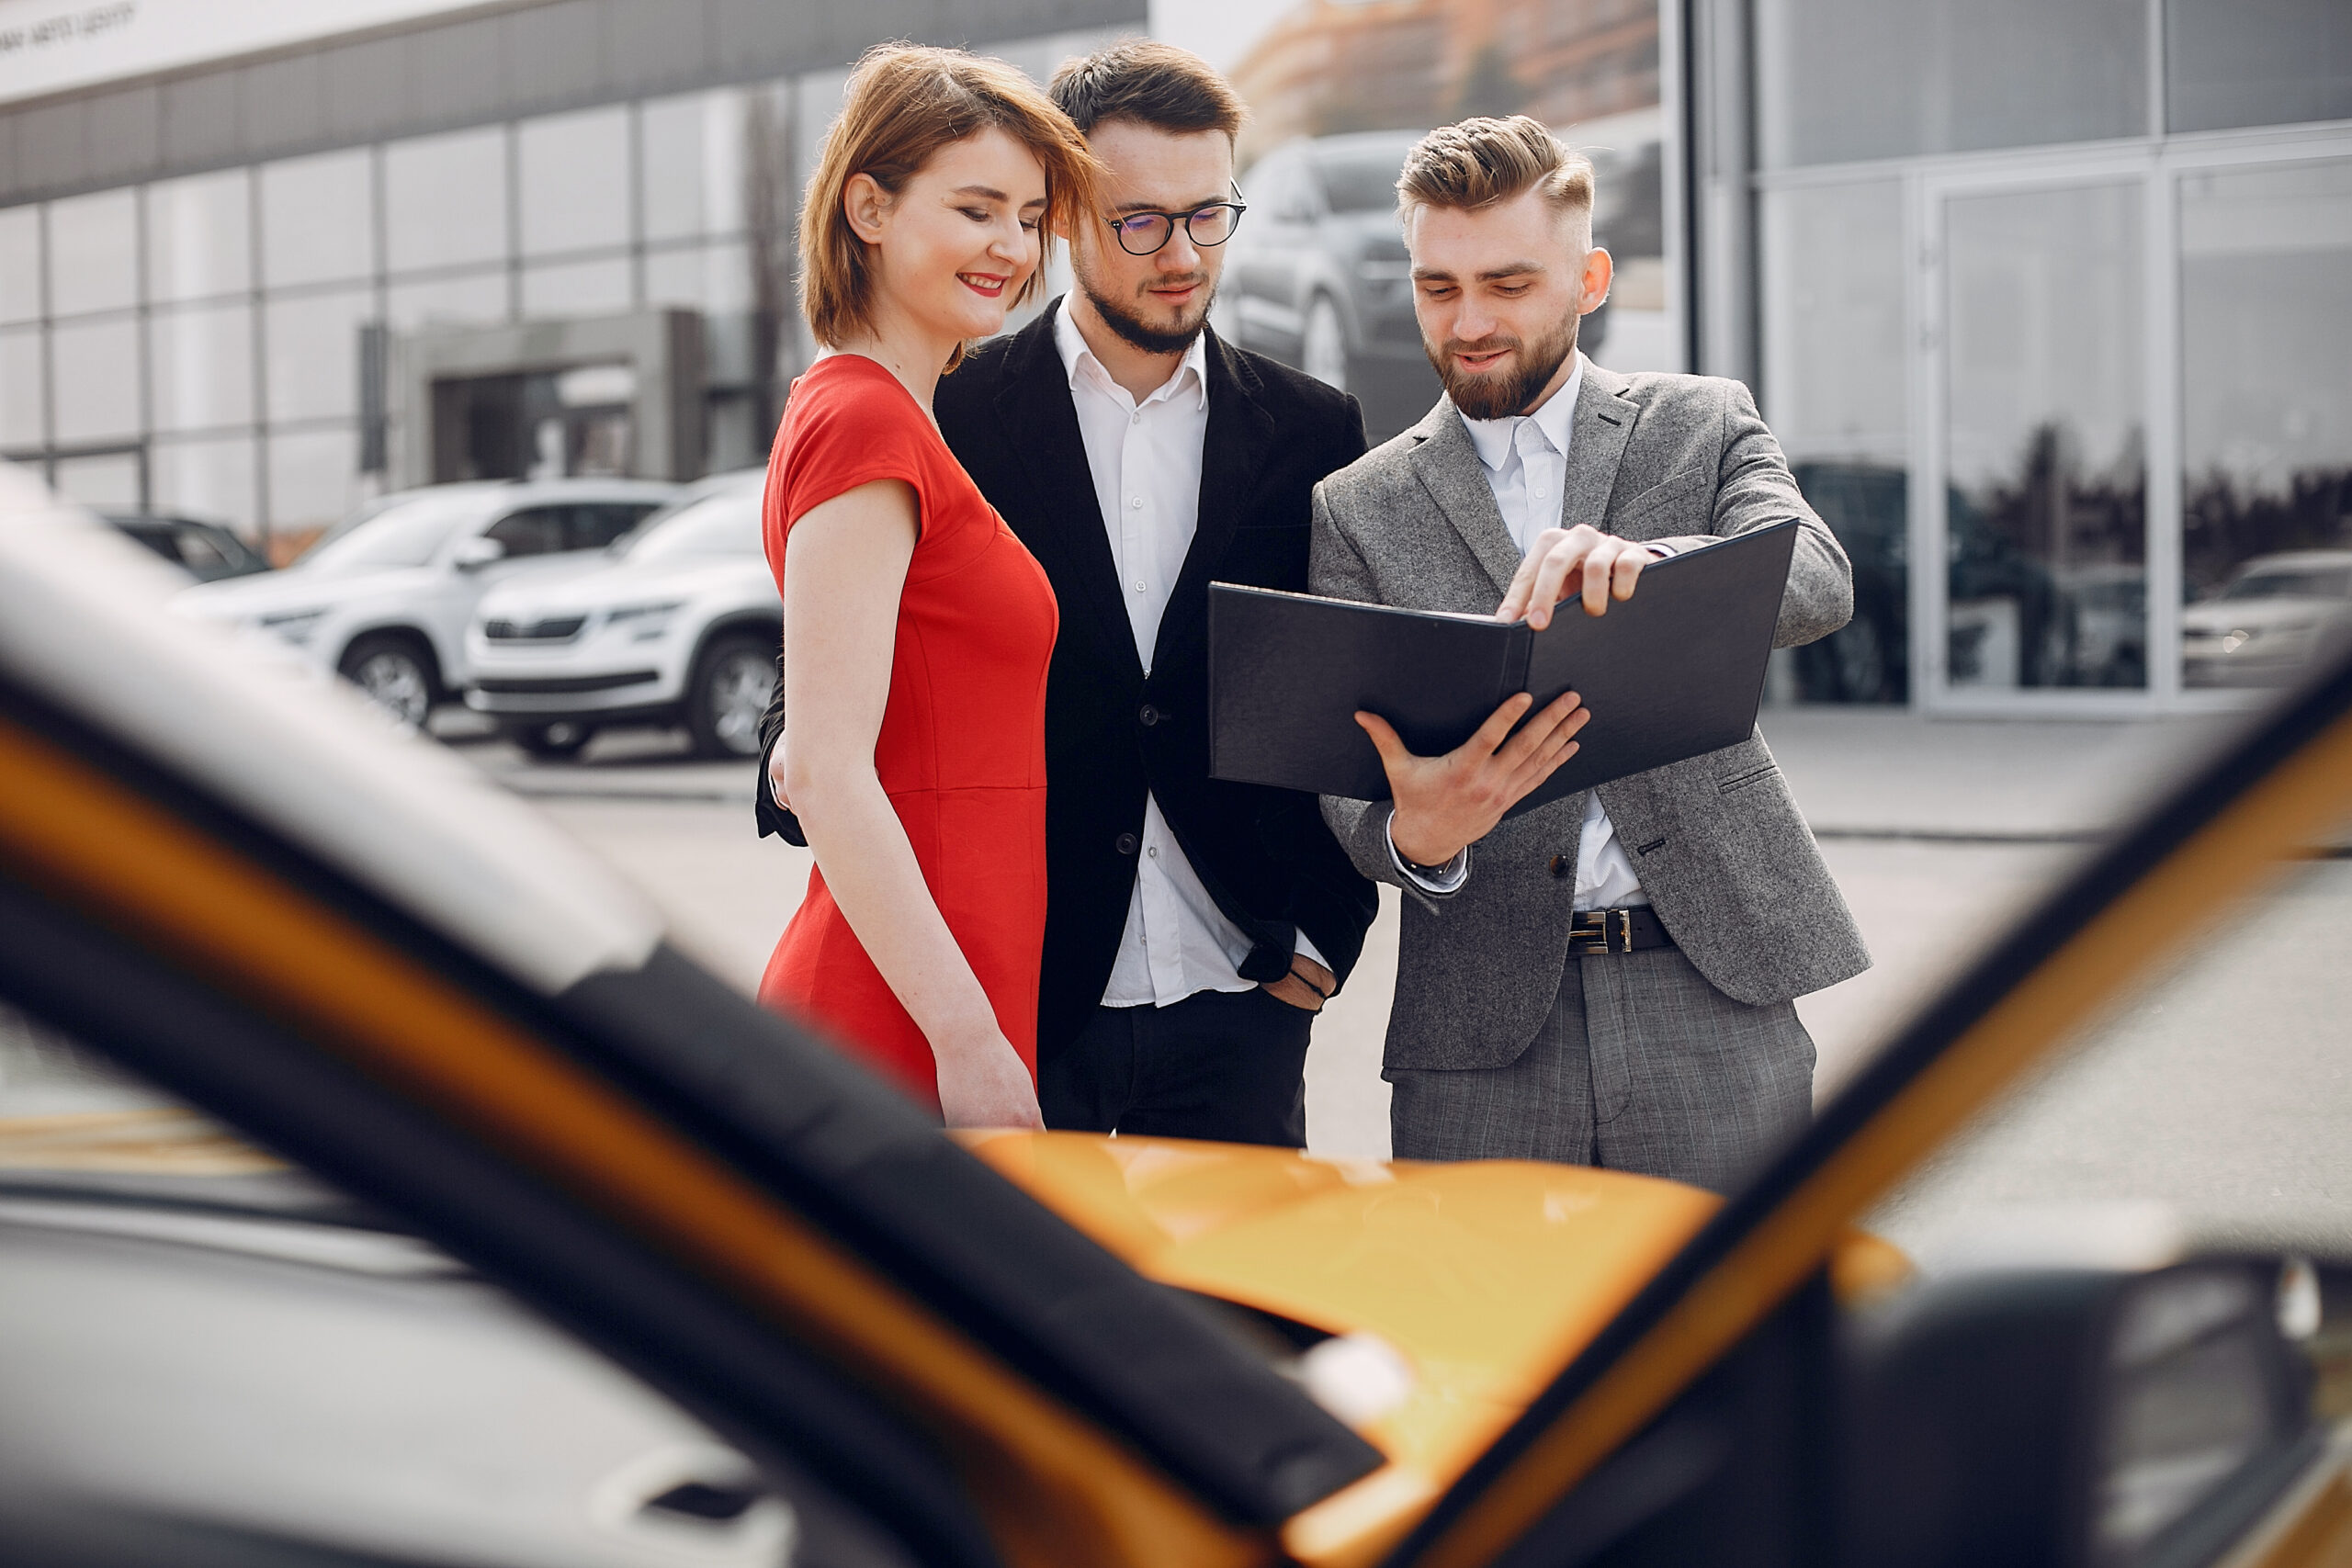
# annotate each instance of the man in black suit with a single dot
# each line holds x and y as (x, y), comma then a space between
(1193, 927)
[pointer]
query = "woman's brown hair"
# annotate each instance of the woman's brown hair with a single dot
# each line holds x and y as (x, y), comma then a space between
(903, 102)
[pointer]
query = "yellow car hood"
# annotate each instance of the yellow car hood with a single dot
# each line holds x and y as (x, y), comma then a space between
(1486, 1278)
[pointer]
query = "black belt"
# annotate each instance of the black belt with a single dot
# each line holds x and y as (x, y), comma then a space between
(1616, 930)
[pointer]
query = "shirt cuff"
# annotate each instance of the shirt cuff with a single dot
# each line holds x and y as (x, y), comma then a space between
(1307, 950)
(1450, 876)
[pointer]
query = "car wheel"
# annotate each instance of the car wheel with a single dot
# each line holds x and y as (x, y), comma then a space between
(558, 743)
(393, 673)
(1323, 345)
(728, 696)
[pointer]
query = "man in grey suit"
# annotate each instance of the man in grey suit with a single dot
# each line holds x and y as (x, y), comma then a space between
(1607, 979)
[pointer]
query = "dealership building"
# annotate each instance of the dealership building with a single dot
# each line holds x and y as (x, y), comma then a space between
(2049, 300)
(261, 261)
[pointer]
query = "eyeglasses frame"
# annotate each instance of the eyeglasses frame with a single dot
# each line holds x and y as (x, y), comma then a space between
(1237, 206)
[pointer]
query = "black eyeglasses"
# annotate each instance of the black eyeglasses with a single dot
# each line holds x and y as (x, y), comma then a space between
(1148, 233)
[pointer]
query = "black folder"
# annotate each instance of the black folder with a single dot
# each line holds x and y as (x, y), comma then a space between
(1674, 672)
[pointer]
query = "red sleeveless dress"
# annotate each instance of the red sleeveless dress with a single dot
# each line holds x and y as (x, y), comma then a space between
(962, 750)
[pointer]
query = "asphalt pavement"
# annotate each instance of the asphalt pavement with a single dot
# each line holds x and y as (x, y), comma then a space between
(2221, 1093)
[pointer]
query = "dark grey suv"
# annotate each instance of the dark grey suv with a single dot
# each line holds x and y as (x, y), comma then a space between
(1317, 278)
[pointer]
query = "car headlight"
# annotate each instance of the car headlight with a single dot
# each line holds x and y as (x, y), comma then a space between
(296, 627)
(645, 623)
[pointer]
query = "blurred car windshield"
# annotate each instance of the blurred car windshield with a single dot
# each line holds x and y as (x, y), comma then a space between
(2293, 582)
(727, 523)
(1361, 181)
(406, 535)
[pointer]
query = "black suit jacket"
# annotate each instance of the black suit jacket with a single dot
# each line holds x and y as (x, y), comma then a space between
(1112, 732)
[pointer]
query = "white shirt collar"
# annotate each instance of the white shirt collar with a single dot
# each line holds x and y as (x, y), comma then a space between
(1079, 360)
(1555, 417)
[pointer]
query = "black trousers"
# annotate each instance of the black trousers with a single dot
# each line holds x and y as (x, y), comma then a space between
(1228, 1066)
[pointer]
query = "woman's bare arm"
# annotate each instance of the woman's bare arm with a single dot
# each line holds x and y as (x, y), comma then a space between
(849, 560)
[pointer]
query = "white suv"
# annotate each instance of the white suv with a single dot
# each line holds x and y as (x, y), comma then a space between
(383, 599)
(680, 626)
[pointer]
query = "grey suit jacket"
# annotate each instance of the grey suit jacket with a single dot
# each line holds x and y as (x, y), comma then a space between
(1726, 860)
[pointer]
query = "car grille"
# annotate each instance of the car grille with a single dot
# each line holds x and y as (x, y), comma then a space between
(555, 628)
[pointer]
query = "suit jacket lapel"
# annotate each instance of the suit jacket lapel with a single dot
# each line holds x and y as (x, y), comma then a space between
(1240, 434)
(1604, 423)
(1068, 535)
(1447, 462)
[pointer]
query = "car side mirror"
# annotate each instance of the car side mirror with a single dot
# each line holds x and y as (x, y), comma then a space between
(2073, 1419)
(472, 555)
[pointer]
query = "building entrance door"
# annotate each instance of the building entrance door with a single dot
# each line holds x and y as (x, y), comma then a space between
(535, 425)
(2037, 493)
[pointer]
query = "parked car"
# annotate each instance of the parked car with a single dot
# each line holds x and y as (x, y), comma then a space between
(384, 602)
(1316, 274)
(679, 625)
(2269, 621)
(206, 551)
(498, 1074)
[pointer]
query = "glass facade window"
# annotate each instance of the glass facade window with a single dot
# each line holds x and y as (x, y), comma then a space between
(313, 477)
(445, 200)
(93, 253)
(21, 415)
(97, 380)
(2266, 418)
(200, 237)
(318, 219)
(315, 354)
(211, 478)
(576, 289)
(2046, 513)
(694, 162)
(1844, 80)
(574, 189)
(472, 299)
(20, 264)
(1838, 384)
(107, 480)
(2230, 62)
(201, 358)
(715, 279)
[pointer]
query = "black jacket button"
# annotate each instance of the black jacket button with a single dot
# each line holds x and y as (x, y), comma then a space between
(1562, 865)
(1149, 715)
(1125, 843)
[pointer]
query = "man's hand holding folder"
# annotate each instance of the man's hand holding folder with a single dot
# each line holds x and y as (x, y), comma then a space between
(1444, 803)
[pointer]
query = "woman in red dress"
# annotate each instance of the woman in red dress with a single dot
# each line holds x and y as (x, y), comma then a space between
(917, 628)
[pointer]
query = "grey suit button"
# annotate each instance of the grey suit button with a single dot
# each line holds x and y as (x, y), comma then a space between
(1562, 865)
(1125, 843)
(1149, 715)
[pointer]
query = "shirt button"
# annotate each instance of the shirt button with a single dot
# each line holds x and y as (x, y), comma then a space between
(1139, 588)
(1153, 853)
(1134, 502)
(1137, 418)
(1125, 843)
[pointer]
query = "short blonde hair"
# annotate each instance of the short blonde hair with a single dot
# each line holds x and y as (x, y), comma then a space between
(1484, 161)
(903, 102)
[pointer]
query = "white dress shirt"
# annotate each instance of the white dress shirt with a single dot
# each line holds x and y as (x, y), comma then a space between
(1526, 460)
(1145, 459)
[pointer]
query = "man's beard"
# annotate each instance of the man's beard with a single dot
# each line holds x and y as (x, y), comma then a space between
(1495, 394)
(1141, 333)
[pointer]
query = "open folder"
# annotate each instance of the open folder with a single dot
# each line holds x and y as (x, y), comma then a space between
(1674, 672)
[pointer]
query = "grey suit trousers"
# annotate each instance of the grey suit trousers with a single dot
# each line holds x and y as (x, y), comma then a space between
(1640, 1066)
